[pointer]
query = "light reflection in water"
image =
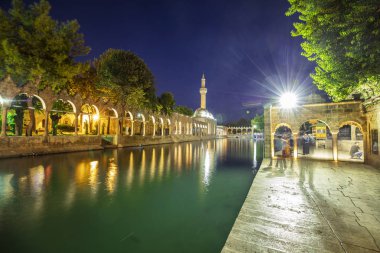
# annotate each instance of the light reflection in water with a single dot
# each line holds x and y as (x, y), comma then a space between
(93, 178)
(111, 176)
(6, 189)
(151, 163)
(161, 164)
(206, 177)
(179, 157)
(130, 171)
(37, 177)
(70, 195)
(142, 167)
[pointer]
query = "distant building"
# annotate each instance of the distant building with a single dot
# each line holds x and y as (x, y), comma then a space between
(202, 114)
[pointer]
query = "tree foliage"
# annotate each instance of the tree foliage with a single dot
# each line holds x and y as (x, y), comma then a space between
(167, 102)
(343, 39)
(184, 110)
(258, 121)
(36, 48)
(59, 109)
(121, 73)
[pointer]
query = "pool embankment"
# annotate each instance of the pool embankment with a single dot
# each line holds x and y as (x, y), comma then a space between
(309, 206)
(18, 146)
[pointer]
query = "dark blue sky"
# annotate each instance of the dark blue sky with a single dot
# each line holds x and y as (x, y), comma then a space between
(243, 46)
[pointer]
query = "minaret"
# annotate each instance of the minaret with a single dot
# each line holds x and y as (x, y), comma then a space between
(203, 92)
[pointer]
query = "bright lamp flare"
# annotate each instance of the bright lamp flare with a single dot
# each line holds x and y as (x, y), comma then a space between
(288, 100)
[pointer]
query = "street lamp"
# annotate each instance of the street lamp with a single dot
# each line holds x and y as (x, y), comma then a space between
(288, 100)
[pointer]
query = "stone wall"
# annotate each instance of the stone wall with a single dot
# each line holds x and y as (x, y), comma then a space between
(39, 145)
(373, 123)
(33, 145)
(364, 115)
(332, 114)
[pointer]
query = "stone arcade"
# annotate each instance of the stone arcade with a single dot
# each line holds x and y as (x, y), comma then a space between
(92, 123)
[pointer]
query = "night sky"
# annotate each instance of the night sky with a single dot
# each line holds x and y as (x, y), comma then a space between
(244, 47)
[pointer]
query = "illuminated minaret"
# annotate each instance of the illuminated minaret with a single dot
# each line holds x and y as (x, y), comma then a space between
(203, 92)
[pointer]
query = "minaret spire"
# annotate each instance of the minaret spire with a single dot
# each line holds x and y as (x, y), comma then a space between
(203, 91)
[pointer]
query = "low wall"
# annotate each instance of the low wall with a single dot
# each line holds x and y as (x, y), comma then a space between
(16, 146)
(37, 145)
(133, 141)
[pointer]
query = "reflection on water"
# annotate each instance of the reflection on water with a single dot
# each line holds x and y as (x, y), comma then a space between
(152, 162)
(31, 187)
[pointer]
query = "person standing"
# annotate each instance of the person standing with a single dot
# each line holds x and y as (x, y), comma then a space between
(305, 144)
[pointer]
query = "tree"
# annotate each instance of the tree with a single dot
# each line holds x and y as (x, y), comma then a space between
(59, 109)
(20, 104)
(121, 73)
(184, 110)
(38, 49)
(85, 83)
(343, 39)
(167, 102)
(258, 122)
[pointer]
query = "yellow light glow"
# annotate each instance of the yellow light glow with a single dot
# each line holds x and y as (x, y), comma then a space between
(96, 117)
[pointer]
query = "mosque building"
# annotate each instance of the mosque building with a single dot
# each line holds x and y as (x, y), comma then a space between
(202, 114)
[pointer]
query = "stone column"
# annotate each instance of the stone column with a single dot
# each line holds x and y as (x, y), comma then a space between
(98, 124)
(295, 145)
(117, 128)
(154, 129)
(132, 127)
(143, 133)
(162, 129)
(4, 121)
(335, 144)
(272, 144)
(46, 132)
(121, 125)
(76, 123)
(366, 146)
(353, 133)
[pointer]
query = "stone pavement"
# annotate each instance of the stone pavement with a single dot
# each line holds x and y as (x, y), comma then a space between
(309, 206)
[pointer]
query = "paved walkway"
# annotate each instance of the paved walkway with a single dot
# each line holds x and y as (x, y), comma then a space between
(309, 206)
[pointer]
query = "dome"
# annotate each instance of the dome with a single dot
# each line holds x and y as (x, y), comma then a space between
(203, 113)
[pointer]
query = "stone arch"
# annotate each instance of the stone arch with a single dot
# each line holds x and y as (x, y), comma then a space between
(89, 119)
(281, 125)
(351, 122)
(73, 105)
(127, 124)
(159, 127)
(62, 117)
(29, 111)
(350, 135)
(150, 126)
(167, 127)
(139, 124)
(315, 139)
(316, 119)
(175, 127)
(41, 100)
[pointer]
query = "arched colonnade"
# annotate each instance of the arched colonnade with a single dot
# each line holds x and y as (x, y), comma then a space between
(46, 113)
